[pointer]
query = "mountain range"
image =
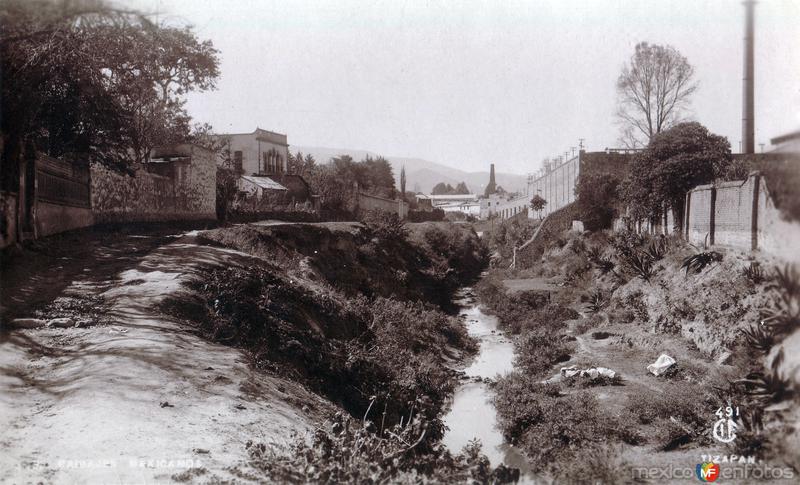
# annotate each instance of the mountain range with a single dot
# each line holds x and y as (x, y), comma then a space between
(422, 175)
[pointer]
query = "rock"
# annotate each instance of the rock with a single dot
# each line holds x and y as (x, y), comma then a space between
(60, 322)
(724, 358)
(28, 323)
(661, 365)
(570, 371)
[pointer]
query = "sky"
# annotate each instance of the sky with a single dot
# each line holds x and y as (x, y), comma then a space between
(468, 83)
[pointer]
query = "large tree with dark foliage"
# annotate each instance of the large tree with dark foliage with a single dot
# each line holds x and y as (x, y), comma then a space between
(83, 77)
(597, 199)
(674, 162)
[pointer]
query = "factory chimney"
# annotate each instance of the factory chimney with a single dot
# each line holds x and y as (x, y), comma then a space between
(748, 115)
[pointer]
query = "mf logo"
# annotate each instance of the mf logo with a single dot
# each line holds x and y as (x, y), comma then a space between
(707, 471)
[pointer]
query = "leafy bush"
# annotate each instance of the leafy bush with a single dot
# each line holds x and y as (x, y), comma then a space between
(385, 225)
(350, 452)
(553, 430)
(536, 352)
(684, 403)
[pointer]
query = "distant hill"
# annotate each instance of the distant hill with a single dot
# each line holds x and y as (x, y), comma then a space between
(422, 175)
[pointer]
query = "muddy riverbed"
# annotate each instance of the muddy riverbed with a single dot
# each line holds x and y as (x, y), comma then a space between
(472, 414)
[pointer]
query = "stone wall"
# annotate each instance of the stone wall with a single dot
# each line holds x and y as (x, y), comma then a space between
(188, 193)
(368, 202)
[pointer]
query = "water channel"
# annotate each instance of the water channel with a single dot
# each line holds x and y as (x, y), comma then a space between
(472, 414)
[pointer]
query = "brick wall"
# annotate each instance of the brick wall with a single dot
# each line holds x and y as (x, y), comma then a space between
(740, 215)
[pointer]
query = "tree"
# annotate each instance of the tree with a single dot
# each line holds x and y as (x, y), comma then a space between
(653, 89)
(85, 77)
(538, 203)
(403, 182)
(598, 199)
(442, 189)
(461, 189)
(675, 161)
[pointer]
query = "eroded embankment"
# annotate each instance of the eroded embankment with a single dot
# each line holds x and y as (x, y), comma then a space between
(357, 314)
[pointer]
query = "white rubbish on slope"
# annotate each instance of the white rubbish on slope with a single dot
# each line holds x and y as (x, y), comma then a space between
(661, 365)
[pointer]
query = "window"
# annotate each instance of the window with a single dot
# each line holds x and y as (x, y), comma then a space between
(237, 160)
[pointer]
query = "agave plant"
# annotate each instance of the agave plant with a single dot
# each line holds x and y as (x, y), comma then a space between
(595, 301)
(640, 264)
(697, 262)
(658, 248)
(754, 273)
(759, 337)
(595, 256)
(767, 387)
(783, 313)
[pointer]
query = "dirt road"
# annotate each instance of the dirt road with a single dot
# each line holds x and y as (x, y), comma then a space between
(136, 397)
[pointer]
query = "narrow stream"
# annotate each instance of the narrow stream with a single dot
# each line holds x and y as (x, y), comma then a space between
(472, 414)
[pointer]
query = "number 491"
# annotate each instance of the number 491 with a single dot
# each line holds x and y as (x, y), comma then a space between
(727, 412)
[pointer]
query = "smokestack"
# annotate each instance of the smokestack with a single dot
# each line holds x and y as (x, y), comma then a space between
(492, 187)
(748, 115)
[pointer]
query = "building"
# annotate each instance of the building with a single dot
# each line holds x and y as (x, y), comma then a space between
(557, 179)
(259, 153)
(788, 143)
(503, 206)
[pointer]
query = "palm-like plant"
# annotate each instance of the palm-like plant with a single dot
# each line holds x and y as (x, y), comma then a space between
(595, 301)
(658, 248)
(640, 264)
(697, 262)
(783, 313)
(759, 337)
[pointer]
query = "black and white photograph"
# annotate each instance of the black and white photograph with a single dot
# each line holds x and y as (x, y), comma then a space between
(399, 242)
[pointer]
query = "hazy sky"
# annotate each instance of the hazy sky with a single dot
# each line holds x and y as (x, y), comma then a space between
(466, 83)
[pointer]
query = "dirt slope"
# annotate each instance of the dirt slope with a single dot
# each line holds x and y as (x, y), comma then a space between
(138, 398)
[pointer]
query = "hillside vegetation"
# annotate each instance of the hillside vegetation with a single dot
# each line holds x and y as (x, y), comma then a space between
(619, 301)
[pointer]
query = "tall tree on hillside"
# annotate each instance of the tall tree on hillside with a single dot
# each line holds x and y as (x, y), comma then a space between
(403, 182)
(654, 89)
(674, 162)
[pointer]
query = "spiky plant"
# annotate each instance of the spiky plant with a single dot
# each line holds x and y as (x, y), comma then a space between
(697, 262)
(595, 301)
(767, 387)
(782, 315)
(658, 248)
(759, 337)
(640, 264)
(754, 273)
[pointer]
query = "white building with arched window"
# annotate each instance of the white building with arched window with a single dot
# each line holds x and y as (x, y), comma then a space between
(261, 152)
